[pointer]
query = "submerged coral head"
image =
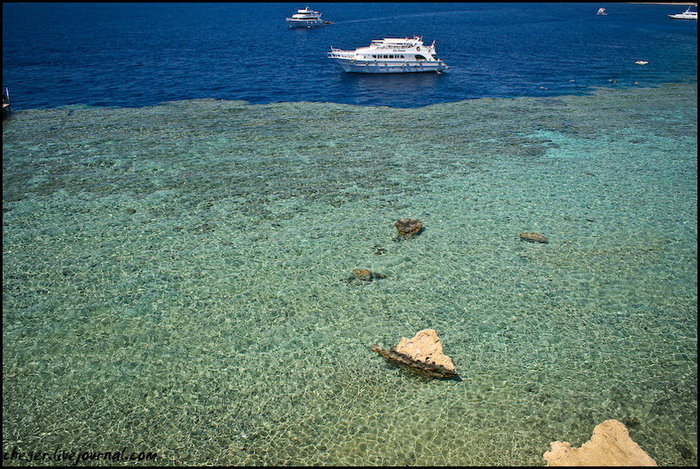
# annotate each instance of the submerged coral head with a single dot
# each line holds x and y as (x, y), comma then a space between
(408, 227)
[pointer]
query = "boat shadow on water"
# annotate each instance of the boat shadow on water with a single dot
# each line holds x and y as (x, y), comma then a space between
(370, 85)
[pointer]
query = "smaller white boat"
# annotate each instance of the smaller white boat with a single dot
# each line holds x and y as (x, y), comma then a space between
(601, 11)
(686, 15)
(306, 18)
(6, 110)
(641, 62)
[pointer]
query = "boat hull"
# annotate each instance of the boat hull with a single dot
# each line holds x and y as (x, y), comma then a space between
(359, 66)
(305, 23)
(686, 15)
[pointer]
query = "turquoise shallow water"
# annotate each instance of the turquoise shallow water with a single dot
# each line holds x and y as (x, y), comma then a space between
(174, 278)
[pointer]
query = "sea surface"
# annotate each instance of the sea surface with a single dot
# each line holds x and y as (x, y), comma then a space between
(188, 187)
(141, 54)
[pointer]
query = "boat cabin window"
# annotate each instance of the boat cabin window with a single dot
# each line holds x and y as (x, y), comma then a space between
(391, 56)
(419, 57)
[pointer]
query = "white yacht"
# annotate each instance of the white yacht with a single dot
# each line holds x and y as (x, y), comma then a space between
(305, 18)
(686, 15)
(390, 55)
(602, 11)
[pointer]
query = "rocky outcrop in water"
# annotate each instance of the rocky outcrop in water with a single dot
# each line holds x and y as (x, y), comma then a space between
(422, 353)
(610, 445)
(364, 275)
(408, 227)
(533, 237)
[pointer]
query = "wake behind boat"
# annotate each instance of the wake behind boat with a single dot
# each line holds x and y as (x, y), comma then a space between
(390, 55)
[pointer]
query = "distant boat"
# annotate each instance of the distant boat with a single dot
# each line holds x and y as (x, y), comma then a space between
(306, 18)
(641, 62)
(6, 110)
(390, 55)
(601, 11)
(686, 15)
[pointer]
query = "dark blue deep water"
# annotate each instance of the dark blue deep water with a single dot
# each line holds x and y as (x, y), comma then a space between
(132, 55)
